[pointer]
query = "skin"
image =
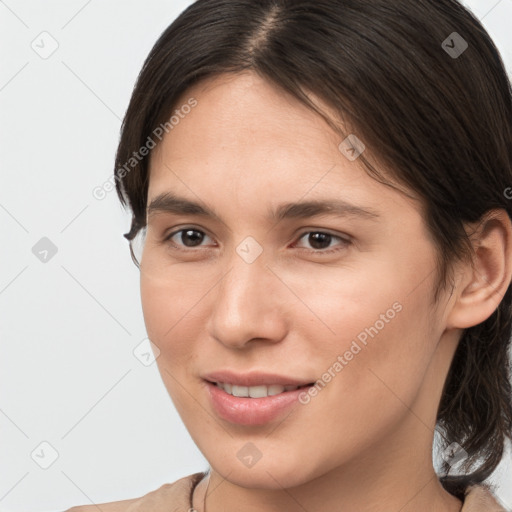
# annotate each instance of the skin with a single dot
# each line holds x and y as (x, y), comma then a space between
(365, 441)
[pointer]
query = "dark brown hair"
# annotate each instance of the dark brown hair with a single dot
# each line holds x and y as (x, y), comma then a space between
(440, 123)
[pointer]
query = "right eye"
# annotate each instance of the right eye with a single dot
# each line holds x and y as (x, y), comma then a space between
(188, 235)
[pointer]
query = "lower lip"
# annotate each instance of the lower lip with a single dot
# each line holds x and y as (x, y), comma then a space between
(252, 411)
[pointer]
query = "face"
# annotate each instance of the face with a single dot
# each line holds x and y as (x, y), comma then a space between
(245, 296)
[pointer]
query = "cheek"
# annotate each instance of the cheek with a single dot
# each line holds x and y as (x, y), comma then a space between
(374, 328)
(168, 309)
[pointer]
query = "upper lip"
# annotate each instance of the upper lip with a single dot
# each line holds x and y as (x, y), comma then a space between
(254, 378)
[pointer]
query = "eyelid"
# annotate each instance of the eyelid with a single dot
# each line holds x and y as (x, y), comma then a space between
(342, 236)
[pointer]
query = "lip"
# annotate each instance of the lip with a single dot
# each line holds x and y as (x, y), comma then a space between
(254, 379)
(251, 411)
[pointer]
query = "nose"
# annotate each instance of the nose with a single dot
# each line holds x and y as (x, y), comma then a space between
(248, 305)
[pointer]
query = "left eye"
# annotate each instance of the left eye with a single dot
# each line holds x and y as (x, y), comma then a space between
(319, 240)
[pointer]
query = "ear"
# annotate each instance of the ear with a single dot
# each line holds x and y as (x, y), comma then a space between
(481, 287)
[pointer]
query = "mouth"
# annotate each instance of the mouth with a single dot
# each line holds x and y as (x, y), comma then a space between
(253, 405)
(260, 391)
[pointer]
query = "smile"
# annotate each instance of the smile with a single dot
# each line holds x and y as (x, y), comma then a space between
(261, 391)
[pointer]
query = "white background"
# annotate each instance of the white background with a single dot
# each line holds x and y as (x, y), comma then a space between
(68, 327)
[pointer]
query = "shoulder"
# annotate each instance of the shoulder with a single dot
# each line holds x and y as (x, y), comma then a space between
(176, 494)
(480, 498)
(114, 506)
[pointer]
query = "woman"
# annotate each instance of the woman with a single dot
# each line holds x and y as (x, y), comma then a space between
(345, 168)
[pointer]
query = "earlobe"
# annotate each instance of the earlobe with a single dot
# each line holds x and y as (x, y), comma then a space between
(483, 285)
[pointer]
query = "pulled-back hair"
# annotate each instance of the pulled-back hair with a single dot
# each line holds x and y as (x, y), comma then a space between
(438, 120)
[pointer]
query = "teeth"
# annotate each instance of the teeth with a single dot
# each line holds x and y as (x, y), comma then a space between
(254, 391)
(240, 391)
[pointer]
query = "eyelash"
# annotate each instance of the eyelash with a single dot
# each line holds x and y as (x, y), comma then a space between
(314, 251)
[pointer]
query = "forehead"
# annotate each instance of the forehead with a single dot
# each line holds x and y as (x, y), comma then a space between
(246, 114)
(248, 139)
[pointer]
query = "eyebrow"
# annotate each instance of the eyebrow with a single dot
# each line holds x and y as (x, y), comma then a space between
(171, 203)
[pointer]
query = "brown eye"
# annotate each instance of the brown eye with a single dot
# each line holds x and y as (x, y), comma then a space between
(187, 237)
(320, 241)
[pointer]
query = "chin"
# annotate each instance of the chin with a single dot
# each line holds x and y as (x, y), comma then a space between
(271, 474)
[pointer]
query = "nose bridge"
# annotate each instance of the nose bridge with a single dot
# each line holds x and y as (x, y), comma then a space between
(245, 305)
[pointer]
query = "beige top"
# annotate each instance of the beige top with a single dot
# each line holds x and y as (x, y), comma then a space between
(177, 495)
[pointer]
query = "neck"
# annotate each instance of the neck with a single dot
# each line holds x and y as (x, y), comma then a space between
(367, 485)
